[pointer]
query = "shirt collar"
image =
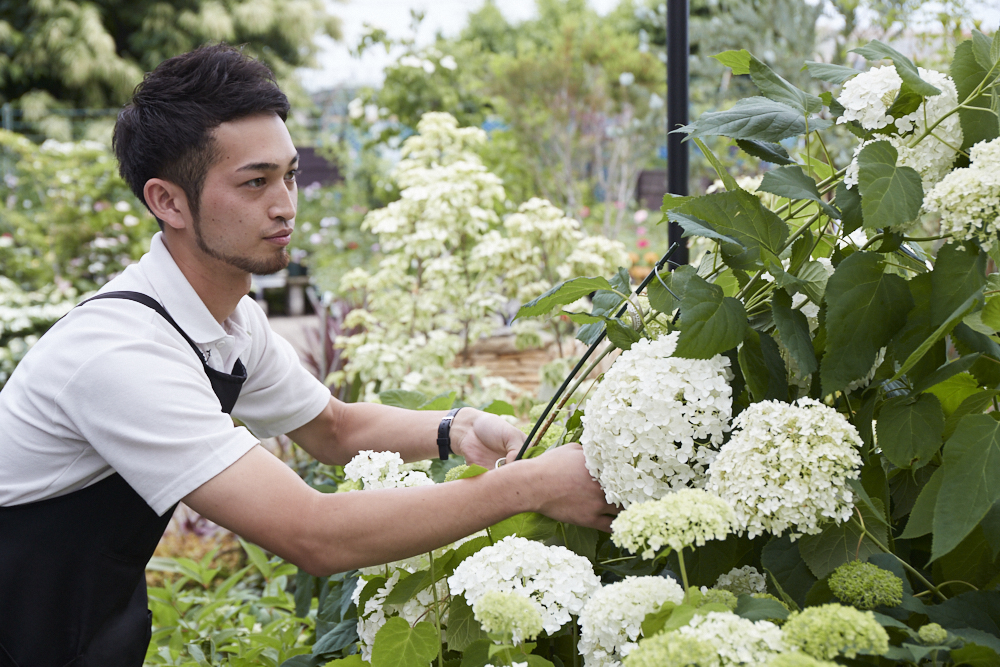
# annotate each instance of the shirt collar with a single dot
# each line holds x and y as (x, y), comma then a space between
(175, 293)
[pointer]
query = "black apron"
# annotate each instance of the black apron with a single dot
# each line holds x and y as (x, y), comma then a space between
(72, 568)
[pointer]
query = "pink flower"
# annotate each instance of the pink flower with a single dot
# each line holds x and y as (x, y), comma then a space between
(585, 212)
(640, 216)
(641, 231)
(643, 243)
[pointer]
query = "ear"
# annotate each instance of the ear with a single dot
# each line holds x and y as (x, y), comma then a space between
(167, 202)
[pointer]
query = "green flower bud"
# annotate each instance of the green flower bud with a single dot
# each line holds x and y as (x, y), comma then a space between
(826, 631)
(455, 473)
(508, 614)
(718, 596)
(797, 659)
(866, 586)
(933, 634)
(674, 649)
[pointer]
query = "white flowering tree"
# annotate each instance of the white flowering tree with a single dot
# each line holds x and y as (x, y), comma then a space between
(452, 265)
(802, 430)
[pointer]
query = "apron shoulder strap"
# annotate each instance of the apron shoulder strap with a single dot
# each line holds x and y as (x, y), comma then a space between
(149, 302)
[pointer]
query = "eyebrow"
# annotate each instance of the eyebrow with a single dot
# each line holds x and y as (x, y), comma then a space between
(267, 166)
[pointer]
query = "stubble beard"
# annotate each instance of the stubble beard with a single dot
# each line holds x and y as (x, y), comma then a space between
(259, 267)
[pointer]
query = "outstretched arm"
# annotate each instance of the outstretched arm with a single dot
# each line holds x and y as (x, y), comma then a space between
(261, 499)
(343, 429)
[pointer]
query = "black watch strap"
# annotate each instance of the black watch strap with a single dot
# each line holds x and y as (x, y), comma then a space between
(444, 434)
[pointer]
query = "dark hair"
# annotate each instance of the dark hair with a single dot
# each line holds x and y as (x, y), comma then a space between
(166, 130)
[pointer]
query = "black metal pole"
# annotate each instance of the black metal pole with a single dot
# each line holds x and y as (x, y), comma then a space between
(677, 113)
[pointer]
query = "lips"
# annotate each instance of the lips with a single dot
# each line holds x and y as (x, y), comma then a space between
(282, 238)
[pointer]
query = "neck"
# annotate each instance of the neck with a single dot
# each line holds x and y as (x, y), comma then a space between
(219, 285)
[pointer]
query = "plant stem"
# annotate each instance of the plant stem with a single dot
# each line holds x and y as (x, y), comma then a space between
(437, 611)
(684, 575)
(909, 568)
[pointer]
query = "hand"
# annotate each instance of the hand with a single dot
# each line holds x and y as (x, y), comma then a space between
(482, 438)
(566, 489)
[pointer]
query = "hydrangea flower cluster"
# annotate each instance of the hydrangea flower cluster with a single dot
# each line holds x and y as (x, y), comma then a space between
(829, 630)
(786, 468)
(611, 621)
(797, 659)
(867, 97)
(654, 423)
(932, 634)
(383, 470)
(968, 199)
(685, 518)
(555, 578)
(718, 596)
(736, 640)
(676, 650)
(509, 614)
(744, 580)
(866, 585)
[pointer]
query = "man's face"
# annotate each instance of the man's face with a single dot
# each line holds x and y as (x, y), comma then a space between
(249, 198)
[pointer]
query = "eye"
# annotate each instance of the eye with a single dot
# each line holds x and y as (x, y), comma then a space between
(292, 175)
(256, 182)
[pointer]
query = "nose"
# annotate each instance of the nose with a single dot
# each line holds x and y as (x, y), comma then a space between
(285, 202)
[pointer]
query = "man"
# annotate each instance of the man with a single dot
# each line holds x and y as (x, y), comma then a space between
(120, 410)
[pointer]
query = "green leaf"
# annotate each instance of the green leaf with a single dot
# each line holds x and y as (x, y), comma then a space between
(971, 481)
(740, 216)
(401, 398)
(498, 407)
(620, 335)
(529, 525)
(944, 372)
(979, 610)
(463, 628)
(257, 557)
(953, 391)
(399, 645)
(830, 73)
(581, 540)
(762, 366)
(409, 586)
(975, 655)
(441, 402)
(849, 203)
(711, 323)
(766, 151)
(991, 313)
(910, 430)
(793, 183)
(562, 294)
(666, 289)
(865, 308)
(977, 125)
(776, 88)
(891, 195)
(973, 404)
(921, 521)
(981, 49)
(959, 273)
(793, 329)
(995, 47)
(693, 226)
(938, 333)
(354, 660)
(342, 635)
(759, 609)
(738, 61)
(727, 179)
(370, 589)
(654, 621)
(876, 50)
(477, 654)
(750, 118)
(782, 560)
(672, 201)
(839, 544)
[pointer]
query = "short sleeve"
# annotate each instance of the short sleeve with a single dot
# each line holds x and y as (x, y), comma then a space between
(280, 395)
(151, 414)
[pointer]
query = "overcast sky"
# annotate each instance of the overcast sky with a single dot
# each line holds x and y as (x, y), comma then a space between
(338, 68)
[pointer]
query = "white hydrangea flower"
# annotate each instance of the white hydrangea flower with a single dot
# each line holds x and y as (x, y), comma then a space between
(376, 611)
(654, 423)
(786, 468)
(744, 580)
(511, 615)
(968, 200)
(737, 640)
(384, 470)
(611, 621)
(557, 579)
(867, 97)
(684, 518)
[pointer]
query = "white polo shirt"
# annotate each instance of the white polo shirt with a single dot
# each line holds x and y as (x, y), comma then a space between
(112, 387)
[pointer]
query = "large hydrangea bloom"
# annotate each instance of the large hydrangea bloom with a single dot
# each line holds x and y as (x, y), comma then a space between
(686, 518)
(654, 423)
(557, 580)
(829, 630)
(968, 200)
(736, 640)
(611, 621)
(384, 470)
(786, 468)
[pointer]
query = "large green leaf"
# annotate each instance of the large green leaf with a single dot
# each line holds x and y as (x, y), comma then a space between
(741, 217)
(738, 61)
(666, 289)
(876, 50)
(763, 368)
(978, 124)
(909, 429)
(781, 559)
(711, 322)
(959, 273)
(891, 195)
(562, 294)
(976, 609)
(776, 88)
(766, 151)
(942, 330)
(463, 628)
(529, 525)
(793, 183)
(974, 403)
(760, 609)
(971, 481)
(830, 73)
(693, 226)
(848, 200)
(921, 519)
(750, 118)
(793, 329)
(399, 645)
(865, 308)
(954, 391)
(839, 544)
(408, 587)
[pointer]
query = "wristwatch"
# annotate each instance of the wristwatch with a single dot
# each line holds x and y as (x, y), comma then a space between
(444, 434)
